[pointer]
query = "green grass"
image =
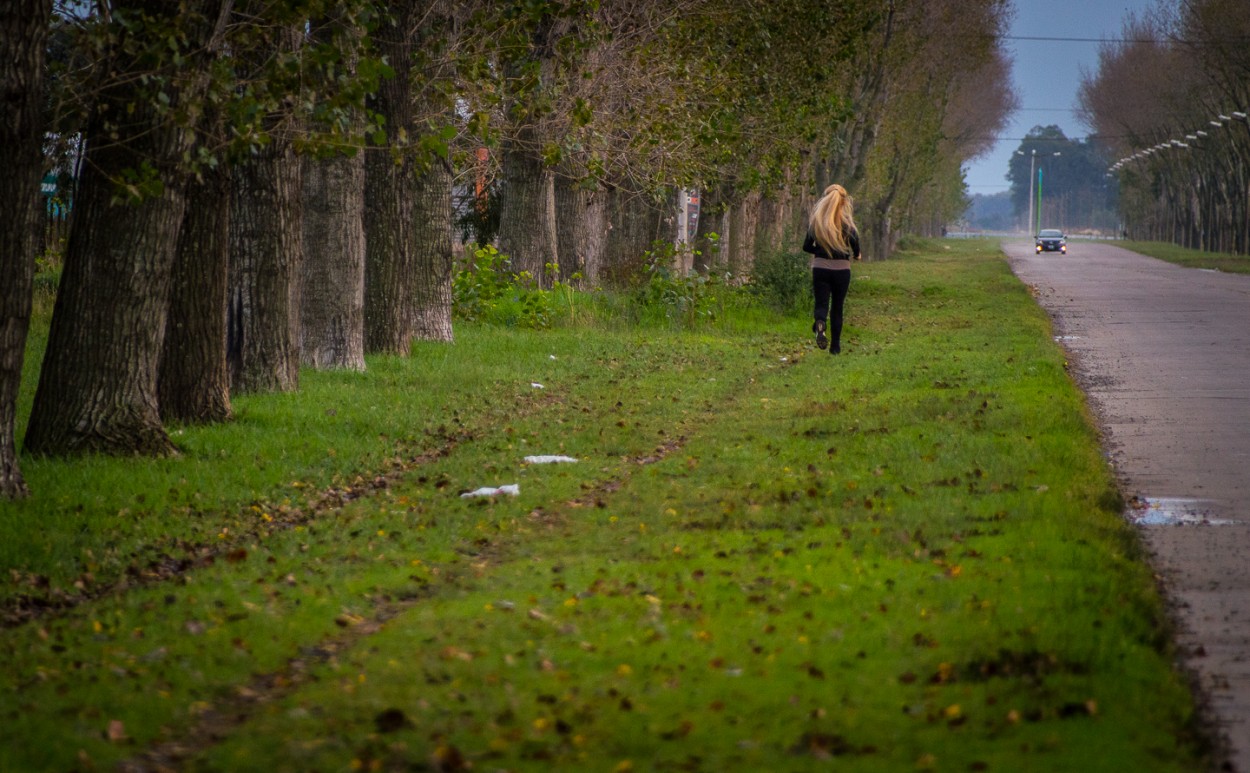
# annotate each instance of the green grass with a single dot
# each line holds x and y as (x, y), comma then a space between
(1183, 256)
(767, 558)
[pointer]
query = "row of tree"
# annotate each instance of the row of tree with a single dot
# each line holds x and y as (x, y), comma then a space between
(268, 184)
(1169, 101)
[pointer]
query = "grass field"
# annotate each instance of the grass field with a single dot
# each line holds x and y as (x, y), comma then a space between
(910, 556)
(1233, 264)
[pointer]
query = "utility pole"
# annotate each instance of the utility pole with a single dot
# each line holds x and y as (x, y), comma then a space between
(1035, 182)
(1032, 161)
(1039, 192)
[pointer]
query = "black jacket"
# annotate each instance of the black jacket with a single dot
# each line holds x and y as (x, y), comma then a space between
(814, 247)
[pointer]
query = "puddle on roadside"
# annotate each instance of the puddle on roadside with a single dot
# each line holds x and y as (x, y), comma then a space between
(1174, 511)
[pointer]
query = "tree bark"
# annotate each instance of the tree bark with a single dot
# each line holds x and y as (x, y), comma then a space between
(581, 225)
(333, 287)
(390, 185)
(194, 384)
(266, 246)
(97, 387)
(433, 265)
(527, 220)
(431, 236)
(635, 225)
(23, 34)
(527, 216)
(266, 243)
(332, 282)
(743, 225)
(622, 255)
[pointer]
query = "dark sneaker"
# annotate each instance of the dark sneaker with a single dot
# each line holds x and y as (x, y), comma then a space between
(835, 349)
(821, 341)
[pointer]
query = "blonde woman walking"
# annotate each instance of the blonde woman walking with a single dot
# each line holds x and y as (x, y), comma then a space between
(833, 241)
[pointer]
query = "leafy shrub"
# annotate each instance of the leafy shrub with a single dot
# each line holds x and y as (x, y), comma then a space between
(781, 280)
(477, 289)
(665, 294)
(487, 290)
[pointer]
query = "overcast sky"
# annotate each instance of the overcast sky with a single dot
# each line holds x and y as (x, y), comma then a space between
(1048, 73)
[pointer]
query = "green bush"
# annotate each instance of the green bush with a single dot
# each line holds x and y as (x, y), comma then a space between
(782, 280)
(681, 301)
(478, 288)
(487, 290)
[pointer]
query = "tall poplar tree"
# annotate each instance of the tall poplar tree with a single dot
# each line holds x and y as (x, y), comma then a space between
(98, 385)
(23, 35)
(266, 226)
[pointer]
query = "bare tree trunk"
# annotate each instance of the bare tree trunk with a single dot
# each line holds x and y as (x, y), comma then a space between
(388, 253)
(527, 221)
(595, 215)
(23, 34)
(390, 187)
(581, 220)
(527, 217)
(745, 219)
(768, 230)
(332, 296)
(97, 388)
(432, 246)
(433, 264)
(332, 276)
(779, 228)
(266, 248)
(628, 237)
(194, 384)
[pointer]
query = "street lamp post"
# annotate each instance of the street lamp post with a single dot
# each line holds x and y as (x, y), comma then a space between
(1032, 161)
(1038, 226)
(1035, 182)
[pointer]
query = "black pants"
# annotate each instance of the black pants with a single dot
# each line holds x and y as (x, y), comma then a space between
(830, 286)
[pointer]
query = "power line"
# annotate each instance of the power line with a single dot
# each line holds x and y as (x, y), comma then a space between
(1039, 39)
(1152, 41)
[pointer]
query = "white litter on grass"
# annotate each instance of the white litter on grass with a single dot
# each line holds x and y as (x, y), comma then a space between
(548, 459)
(537, 385)
(512, 490)
(552, 356)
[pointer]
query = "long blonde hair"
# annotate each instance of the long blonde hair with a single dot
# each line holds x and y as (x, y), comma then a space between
(832, 220)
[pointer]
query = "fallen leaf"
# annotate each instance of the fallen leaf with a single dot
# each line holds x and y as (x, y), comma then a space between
(116, 731)
(390, 721)
(448, 758)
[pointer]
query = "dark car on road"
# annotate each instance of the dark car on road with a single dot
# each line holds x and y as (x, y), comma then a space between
(1051, 240)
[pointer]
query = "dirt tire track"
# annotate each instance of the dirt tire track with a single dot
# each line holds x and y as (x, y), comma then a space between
(234, 710)
(161, 565)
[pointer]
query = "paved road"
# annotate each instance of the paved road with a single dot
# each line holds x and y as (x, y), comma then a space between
(1163, 353)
